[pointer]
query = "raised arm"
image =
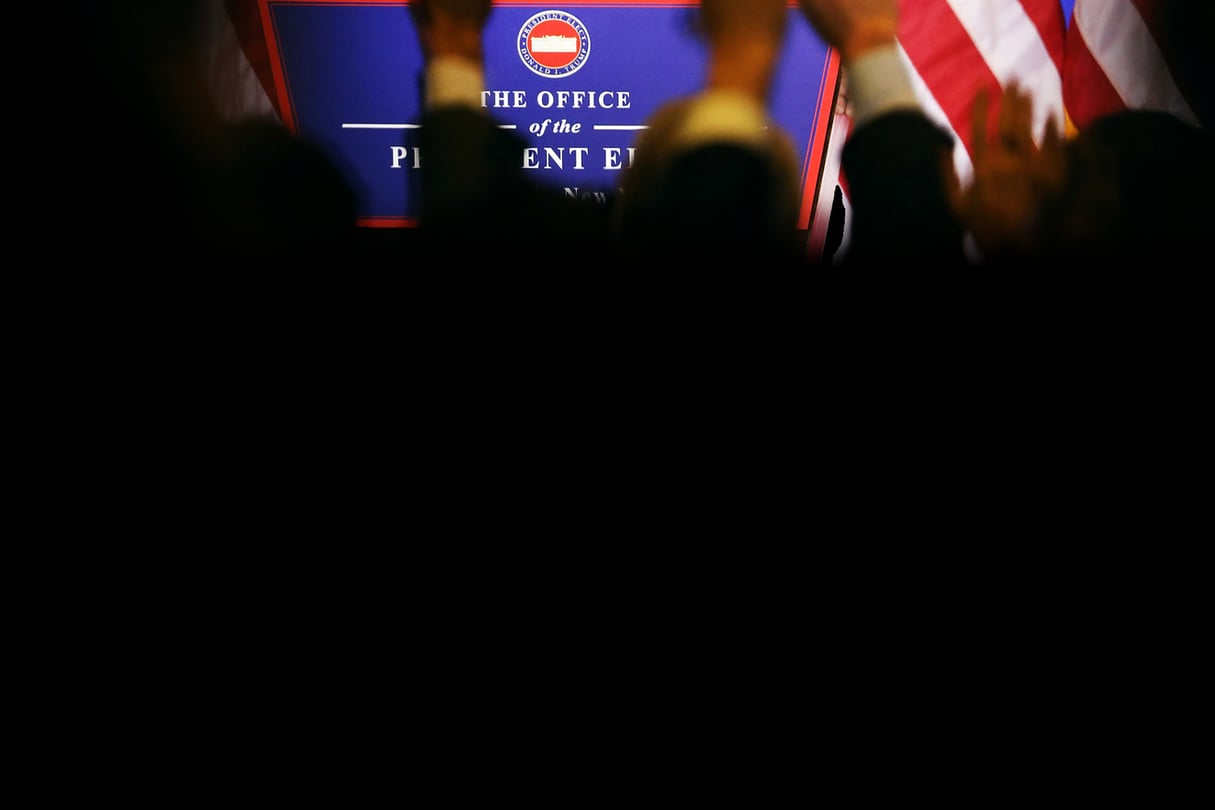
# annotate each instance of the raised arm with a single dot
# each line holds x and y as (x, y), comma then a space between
(853, 27)
(451, 27)
(897, 162)
(478, 202)
(745, 38)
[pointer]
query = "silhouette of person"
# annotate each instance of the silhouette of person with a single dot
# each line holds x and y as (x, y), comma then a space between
(896, 161)
(715, 179)
(1131, 188)
(179, 184)
(477, 203)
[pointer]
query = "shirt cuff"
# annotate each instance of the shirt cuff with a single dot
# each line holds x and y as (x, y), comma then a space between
(722, 115)
(451, 80)
(878, 83)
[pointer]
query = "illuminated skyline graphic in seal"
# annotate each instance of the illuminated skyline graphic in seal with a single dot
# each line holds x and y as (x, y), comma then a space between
(554, 44)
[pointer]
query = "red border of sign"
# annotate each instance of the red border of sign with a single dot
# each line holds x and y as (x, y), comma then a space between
(816, 149)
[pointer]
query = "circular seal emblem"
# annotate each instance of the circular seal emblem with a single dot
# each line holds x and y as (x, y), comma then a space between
(554, 44)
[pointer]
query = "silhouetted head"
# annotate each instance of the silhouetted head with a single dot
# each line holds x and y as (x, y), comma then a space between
(1188, 29)
(1139, 187)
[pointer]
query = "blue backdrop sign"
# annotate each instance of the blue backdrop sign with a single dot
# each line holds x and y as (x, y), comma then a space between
(577, 80)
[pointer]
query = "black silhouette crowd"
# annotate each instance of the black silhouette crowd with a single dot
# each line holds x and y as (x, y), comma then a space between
(714, 181)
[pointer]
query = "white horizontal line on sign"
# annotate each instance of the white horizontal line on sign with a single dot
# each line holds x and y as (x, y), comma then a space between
(405, 126)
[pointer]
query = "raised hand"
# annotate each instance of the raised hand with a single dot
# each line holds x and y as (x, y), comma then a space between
(745, 38)
(853, 26)
(473, 12)
(741, 19)
(1014, 177)
(451, 27)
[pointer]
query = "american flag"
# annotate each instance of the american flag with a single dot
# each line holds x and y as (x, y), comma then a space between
(1079, 58)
